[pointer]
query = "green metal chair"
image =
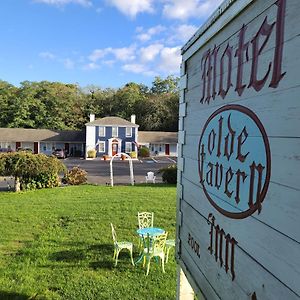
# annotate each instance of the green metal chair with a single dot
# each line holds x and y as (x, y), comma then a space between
(169, 245)
(155, 247)
(145, 219)
(118, 246)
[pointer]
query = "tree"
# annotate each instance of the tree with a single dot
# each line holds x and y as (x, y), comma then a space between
(167, 85)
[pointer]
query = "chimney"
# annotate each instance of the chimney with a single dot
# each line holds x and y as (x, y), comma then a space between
(133, 119)
(92, 117)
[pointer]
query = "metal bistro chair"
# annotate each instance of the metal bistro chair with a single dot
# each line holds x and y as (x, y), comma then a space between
(155, 247)
(169, 245)
(150, 177)
(118, 246)
(145, 219)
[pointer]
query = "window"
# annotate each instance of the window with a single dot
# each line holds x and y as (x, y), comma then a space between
(101, 131)
(47, 146)
(128, 131)
(128, 147)
(114, 131)
(160, 148)
(152, 147)
(101, 146)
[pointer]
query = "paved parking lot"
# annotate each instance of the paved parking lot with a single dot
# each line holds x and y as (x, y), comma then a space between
(99, 170)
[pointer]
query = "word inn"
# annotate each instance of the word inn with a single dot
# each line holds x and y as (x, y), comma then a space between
(221, 246)
(217, 66)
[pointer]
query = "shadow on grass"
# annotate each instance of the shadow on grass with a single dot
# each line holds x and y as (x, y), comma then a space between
(13, 296)
(106, 261)
(68, 255)
(102, 249)
(105, 252)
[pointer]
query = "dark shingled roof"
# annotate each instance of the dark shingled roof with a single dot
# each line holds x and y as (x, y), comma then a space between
(157, 137)
(38, 135)
(112, 121)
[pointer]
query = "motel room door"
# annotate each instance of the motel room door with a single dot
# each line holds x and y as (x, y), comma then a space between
(167, 149)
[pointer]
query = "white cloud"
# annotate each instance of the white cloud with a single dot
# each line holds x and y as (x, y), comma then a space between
(125, 53)
(139, 69)
(149, 53)
(185, 32)
(148, 34)
(47, 55)
(178, 9)
(132, 7)
(85, 3)
(91, 66)
(109, 62)
(122, 54)
(135, 68)
(98, 53)
(68, 63)
(170, 59)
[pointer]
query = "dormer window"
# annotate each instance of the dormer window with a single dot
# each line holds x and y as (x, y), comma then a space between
(101, 131)
(128, 131)
(114, 131)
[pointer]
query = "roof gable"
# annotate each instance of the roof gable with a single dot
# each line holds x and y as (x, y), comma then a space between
(112, 121)
(158, 137)
(38, 135)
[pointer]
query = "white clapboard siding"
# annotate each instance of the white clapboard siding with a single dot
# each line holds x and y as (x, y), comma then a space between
(258, 240)
(285, 158)
(278, 211)
(267, 254)
(280, 107)
(250, 276)
(289, 65)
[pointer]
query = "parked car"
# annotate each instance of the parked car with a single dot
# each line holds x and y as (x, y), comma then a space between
(59, 153)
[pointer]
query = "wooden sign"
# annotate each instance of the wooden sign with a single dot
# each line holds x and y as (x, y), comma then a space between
(238, 208)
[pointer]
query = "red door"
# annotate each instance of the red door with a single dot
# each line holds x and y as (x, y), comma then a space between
(114, 148)
(167, 149)
(35, 147)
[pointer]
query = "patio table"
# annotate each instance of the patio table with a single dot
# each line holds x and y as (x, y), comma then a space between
(148, 232)
(151, 231)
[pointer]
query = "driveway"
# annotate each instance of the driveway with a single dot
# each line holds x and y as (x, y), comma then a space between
(99, 170)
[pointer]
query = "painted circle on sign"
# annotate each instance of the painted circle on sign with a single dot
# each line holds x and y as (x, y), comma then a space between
(234, 161)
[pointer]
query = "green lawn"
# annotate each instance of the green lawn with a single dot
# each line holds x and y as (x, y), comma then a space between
(57, 243)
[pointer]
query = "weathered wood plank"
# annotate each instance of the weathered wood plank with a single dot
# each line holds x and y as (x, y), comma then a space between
(285, 159)
(250, 277)
(243, 108)
(282, 106)
(279, 254)
(275, 203)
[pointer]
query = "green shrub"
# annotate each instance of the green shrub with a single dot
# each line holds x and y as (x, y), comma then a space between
(91, 153)
(75, 176)
(144, 151)
(32, 171)
(169, 174)
(133, 154)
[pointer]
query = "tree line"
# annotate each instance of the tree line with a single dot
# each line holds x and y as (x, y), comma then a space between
(55, 105)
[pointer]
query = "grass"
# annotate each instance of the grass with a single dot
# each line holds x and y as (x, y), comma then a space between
(57, 243)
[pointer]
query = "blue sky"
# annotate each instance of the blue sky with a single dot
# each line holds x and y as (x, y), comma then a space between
(100, 42)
